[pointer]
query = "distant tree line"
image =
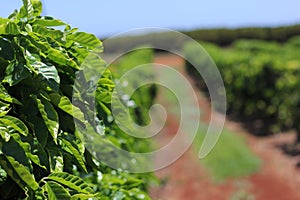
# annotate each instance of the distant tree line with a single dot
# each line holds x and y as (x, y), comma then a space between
(224, 36)
(220, 36)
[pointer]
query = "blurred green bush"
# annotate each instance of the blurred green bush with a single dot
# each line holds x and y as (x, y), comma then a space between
(261, 80)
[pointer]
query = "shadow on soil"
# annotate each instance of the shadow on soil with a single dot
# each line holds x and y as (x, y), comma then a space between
(292, 150)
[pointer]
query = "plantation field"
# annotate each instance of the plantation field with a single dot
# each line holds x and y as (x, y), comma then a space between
(74, 125)
(259, 172)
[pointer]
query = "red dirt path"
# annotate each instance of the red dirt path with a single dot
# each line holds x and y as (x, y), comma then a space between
(278, 178)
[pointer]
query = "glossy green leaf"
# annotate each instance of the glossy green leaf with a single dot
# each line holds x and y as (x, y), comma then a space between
(16, 72)
(85, 39)
(27, 149)
(56, 159)
(6, 49)
(18, 172)
(39, 194)
(49, 116)
(16, 150)
(12, 28)
(4, 133)
(9, 28)
(71, 181)
(49, 73)
(65, 104)
(28, 8)
(4, 108)
(39, 151)
(83, 197)
(14, 123)
(56, 191)
(37, 7)
(55, 34)
(6, 97)
(73, 149)
(48, 21)
(61, 58)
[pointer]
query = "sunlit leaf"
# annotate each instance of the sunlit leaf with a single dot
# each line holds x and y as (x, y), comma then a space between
(56, 191)
(49, 115)
(71, 181)
(48, 21)
(65, 104)
(87, 40)
(16, 72)
(18, 172)
(14, 123)
(73, 149)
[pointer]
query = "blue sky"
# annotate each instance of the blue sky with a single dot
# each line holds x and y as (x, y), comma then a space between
(105, 18)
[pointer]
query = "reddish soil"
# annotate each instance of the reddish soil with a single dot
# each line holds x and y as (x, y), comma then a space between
(278, 177)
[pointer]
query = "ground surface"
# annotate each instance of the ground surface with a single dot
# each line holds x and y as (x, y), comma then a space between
(278, 178)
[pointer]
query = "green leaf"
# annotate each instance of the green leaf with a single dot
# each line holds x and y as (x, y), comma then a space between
(37, 7)
(55, 34)
(56, 54)
(12, 28)
(40, 130)
(4, 20)
(4, 133)
(85, 39)
(39, 42)
(9, 28)
(82, 196)
(14, 14)
(2, 28)
(16, 72)
(48, 72)
(48, 21)
(106, 83)
(27, 149)
(15, 149)
(104, 107)
(40, 194)
(28, 28)
(56, 191)
(3, 176)
(61, 58)
(6, 50)
(28, 8)
(4, 96)
(71, 181)
(4, 108)
(10, 130)
(18, 172)
(39, 151)
(14, 123)
(65, 104)
(73, 149)
(56, 159)
(49, 116)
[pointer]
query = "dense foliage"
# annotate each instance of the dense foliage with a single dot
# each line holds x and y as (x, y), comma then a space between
(262, 81)
(42, 154)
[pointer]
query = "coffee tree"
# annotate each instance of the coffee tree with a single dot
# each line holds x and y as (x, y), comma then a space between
(42, 155)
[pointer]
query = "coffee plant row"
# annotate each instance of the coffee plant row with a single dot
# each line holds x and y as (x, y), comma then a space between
(261, 80)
